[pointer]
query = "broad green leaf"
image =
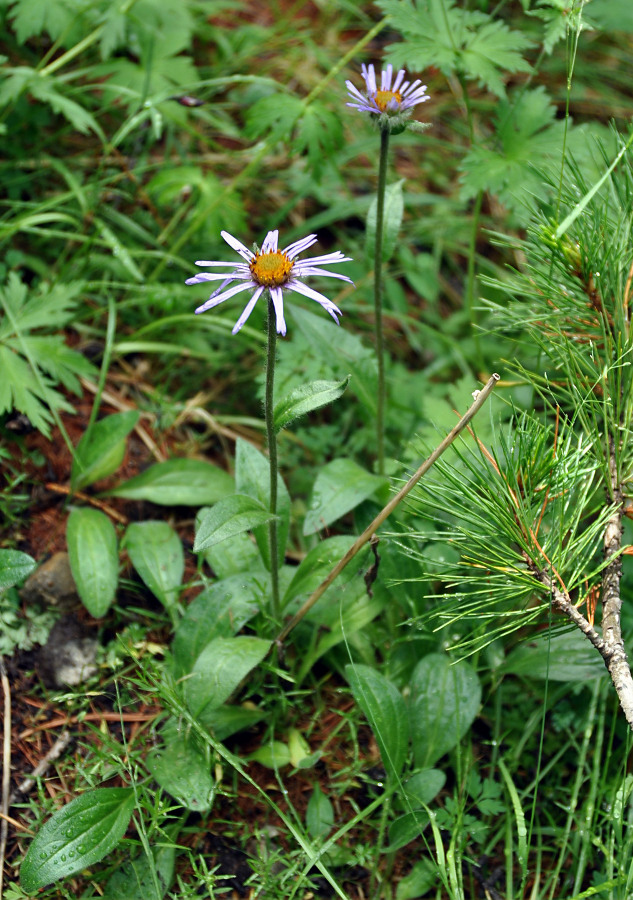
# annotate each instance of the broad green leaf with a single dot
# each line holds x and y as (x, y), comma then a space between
(134, 880)
(422, 877)
(316, 565)
(273, 755)
(221, 610)
(307, 398)
(94, 558)
(157, 555)
(233, 557)
(407, 828)
(344, 352)
(178, 482)
(220, 669)
(392, 220)
(352, 611)
(386, 711)
(228, 517)
(101, 450)
(443, 704)
(319, 814)
(14, 567)
(561, 657)
(223, 721)
(339, 487)
(422, 787)
(77, 836)
(252, 477)
(182, 768)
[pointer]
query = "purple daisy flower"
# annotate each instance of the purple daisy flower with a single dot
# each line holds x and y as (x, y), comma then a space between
(389, 98)
(272, 269)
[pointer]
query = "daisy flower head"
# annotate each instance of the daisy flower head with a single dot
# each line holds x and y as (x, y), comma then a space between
(393, 101)
(270, 269)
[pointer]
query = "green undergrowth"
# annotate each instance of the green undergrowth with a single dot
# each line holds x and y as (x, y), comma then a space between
(432, 725)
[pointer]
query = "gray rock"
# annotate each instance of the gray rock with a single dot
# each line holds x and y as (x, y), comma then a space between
(52, 584)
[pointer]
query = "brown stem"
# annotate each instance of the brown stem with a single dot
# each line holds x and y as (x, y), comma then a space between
(480, 398)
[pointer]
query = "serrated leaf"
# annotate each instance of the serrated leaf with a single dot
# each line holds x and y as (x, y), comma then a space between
(229, 517)
(178, 482)
(455, 39)
(220, 669)
(32, 17)
(30, 364)
(307, 398)
(77, 836)
(386, 711)
(339, 487)
(527, 135)
(100, 451)
(15, 566)
(94, 558)
(276, 114)
(392, 220)
(157, 555)
(50, 91)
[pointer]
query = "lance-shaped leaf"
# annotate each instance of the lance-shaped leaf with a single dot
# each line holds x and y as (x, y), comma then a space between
(307, 398)
(229, 517)
(178, 482)
(94, 558)
(101, 450)
(77, 836)
(392, 220)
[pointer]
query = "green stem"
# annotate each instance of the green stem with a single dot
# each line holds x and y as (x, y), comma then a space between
(471, 278)
(380, 344)
(272, 457)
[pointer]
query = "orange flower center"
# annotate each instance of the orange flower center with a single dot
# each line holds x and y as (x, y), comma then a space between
(271, 269)
(383, 99)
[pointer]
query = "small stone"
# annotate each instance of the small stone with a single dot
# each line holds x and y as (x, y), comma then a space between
(67, 658)
(52, 583)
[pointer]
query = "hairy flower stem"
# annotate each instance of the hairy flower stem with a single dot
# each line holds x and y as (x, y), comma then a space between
(380, 343)
(272, 457)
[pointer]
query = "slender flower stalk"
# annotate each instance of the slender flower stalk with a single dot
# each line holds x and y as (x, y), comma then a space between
(271, 437)
(270, 271)
(390, 106)
(380, 343)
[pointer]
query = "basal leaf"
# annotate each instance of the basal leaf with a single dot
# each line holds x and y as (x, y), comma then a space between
(386, 711)
(157, 555)
(94, 558)
(220, 669)
(100, 451)
(339, 487)
(77, 836)
(175, 482)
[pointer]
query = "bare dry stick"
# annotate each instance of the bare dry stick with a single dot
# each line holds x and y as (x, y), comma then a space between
(480, 398)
